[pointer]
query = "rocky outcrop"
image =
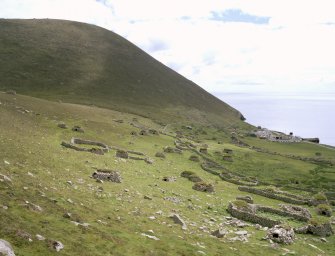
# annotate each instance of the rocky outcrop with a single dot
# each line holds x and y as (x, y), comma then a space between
(280, 234)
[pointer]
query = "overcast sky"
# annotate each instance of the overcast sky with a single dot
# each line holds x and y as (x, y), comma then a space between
(222, 45)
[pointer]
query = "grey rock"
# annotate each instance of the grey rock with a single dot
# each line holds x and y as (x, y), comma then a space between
(219, 233)
(241, 232)
(6, 248)
(178, 220)
(57, 245)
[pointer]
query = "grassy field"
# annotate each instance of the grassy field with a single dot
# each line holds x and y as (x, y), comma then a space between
(58, 180)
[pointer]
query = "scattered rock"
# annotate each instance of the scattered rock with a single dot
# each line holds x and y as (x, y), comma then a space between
(241, 233)
(322, 239)
(280, 234)
(6, 248)
(150, 236)
(39, 237)
(4, 178)
(170, 179)
(62, 125)
(149, 160)
(67, 215)
(57, 245)
(178, 220)
(24, 235)
(6, 162)
(147, 197)
(220, 233)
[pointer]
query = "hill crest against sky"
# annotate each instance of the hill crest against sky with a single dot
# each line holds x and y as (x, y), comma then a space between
(81, 63)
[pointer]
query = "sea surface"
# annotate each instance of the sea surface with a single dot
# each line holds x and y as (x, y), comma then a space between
(306, 115)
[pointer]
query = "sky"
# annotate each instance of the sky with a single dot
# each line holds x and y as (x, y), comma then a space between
(222, 45)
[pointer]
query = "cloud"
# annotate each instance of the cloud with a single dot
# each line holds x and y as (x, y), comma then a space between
(237, 15)
(229, 45)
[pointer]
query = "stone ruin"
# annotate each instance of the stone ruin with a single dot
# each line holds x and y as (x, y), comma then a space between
(103, 148)
(160, 155)
(169, 179)
(191, 176)
(169, 149)
(62, 125)
(122, 154)
(246, 198)
(298, 210)
(77, 128)
(318, 229)
(108, 175)
(228, 158)
(143, 132)
(133, 133)
(194, 158)
(203, 187)
(275, 194)
(281, 234)
(153, 132)
(247, 212)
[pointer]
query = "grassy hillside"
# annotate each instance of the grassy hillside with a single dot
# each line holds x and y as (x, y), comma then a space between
(81, 63)
(119, 215)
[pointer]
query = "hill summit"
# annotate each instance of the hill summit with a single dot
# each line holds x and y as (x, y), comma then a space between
(81, 63)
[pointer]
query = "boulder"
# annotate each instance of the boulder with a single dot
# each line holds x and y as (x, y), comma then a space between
(57, 245)
(6, 248)
(178, 220)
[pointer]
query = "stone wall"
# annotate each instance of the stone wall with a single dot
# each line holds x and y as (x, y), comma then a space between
(251, 217)
(273, 195)
(282, 213)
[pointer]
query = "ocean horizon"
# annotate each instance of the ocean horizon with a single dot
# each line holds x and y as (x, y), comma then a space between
(307, 115)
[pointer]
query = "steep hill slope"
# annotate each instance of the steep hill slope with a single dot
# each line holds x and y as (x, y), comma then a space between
(81, 63)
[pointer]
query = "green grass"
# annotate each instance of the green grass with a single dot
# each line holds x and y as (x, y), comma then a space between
(31, 143)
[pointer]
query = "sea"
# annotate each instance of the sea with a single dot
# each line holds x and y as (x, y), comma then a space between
(307, 115)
